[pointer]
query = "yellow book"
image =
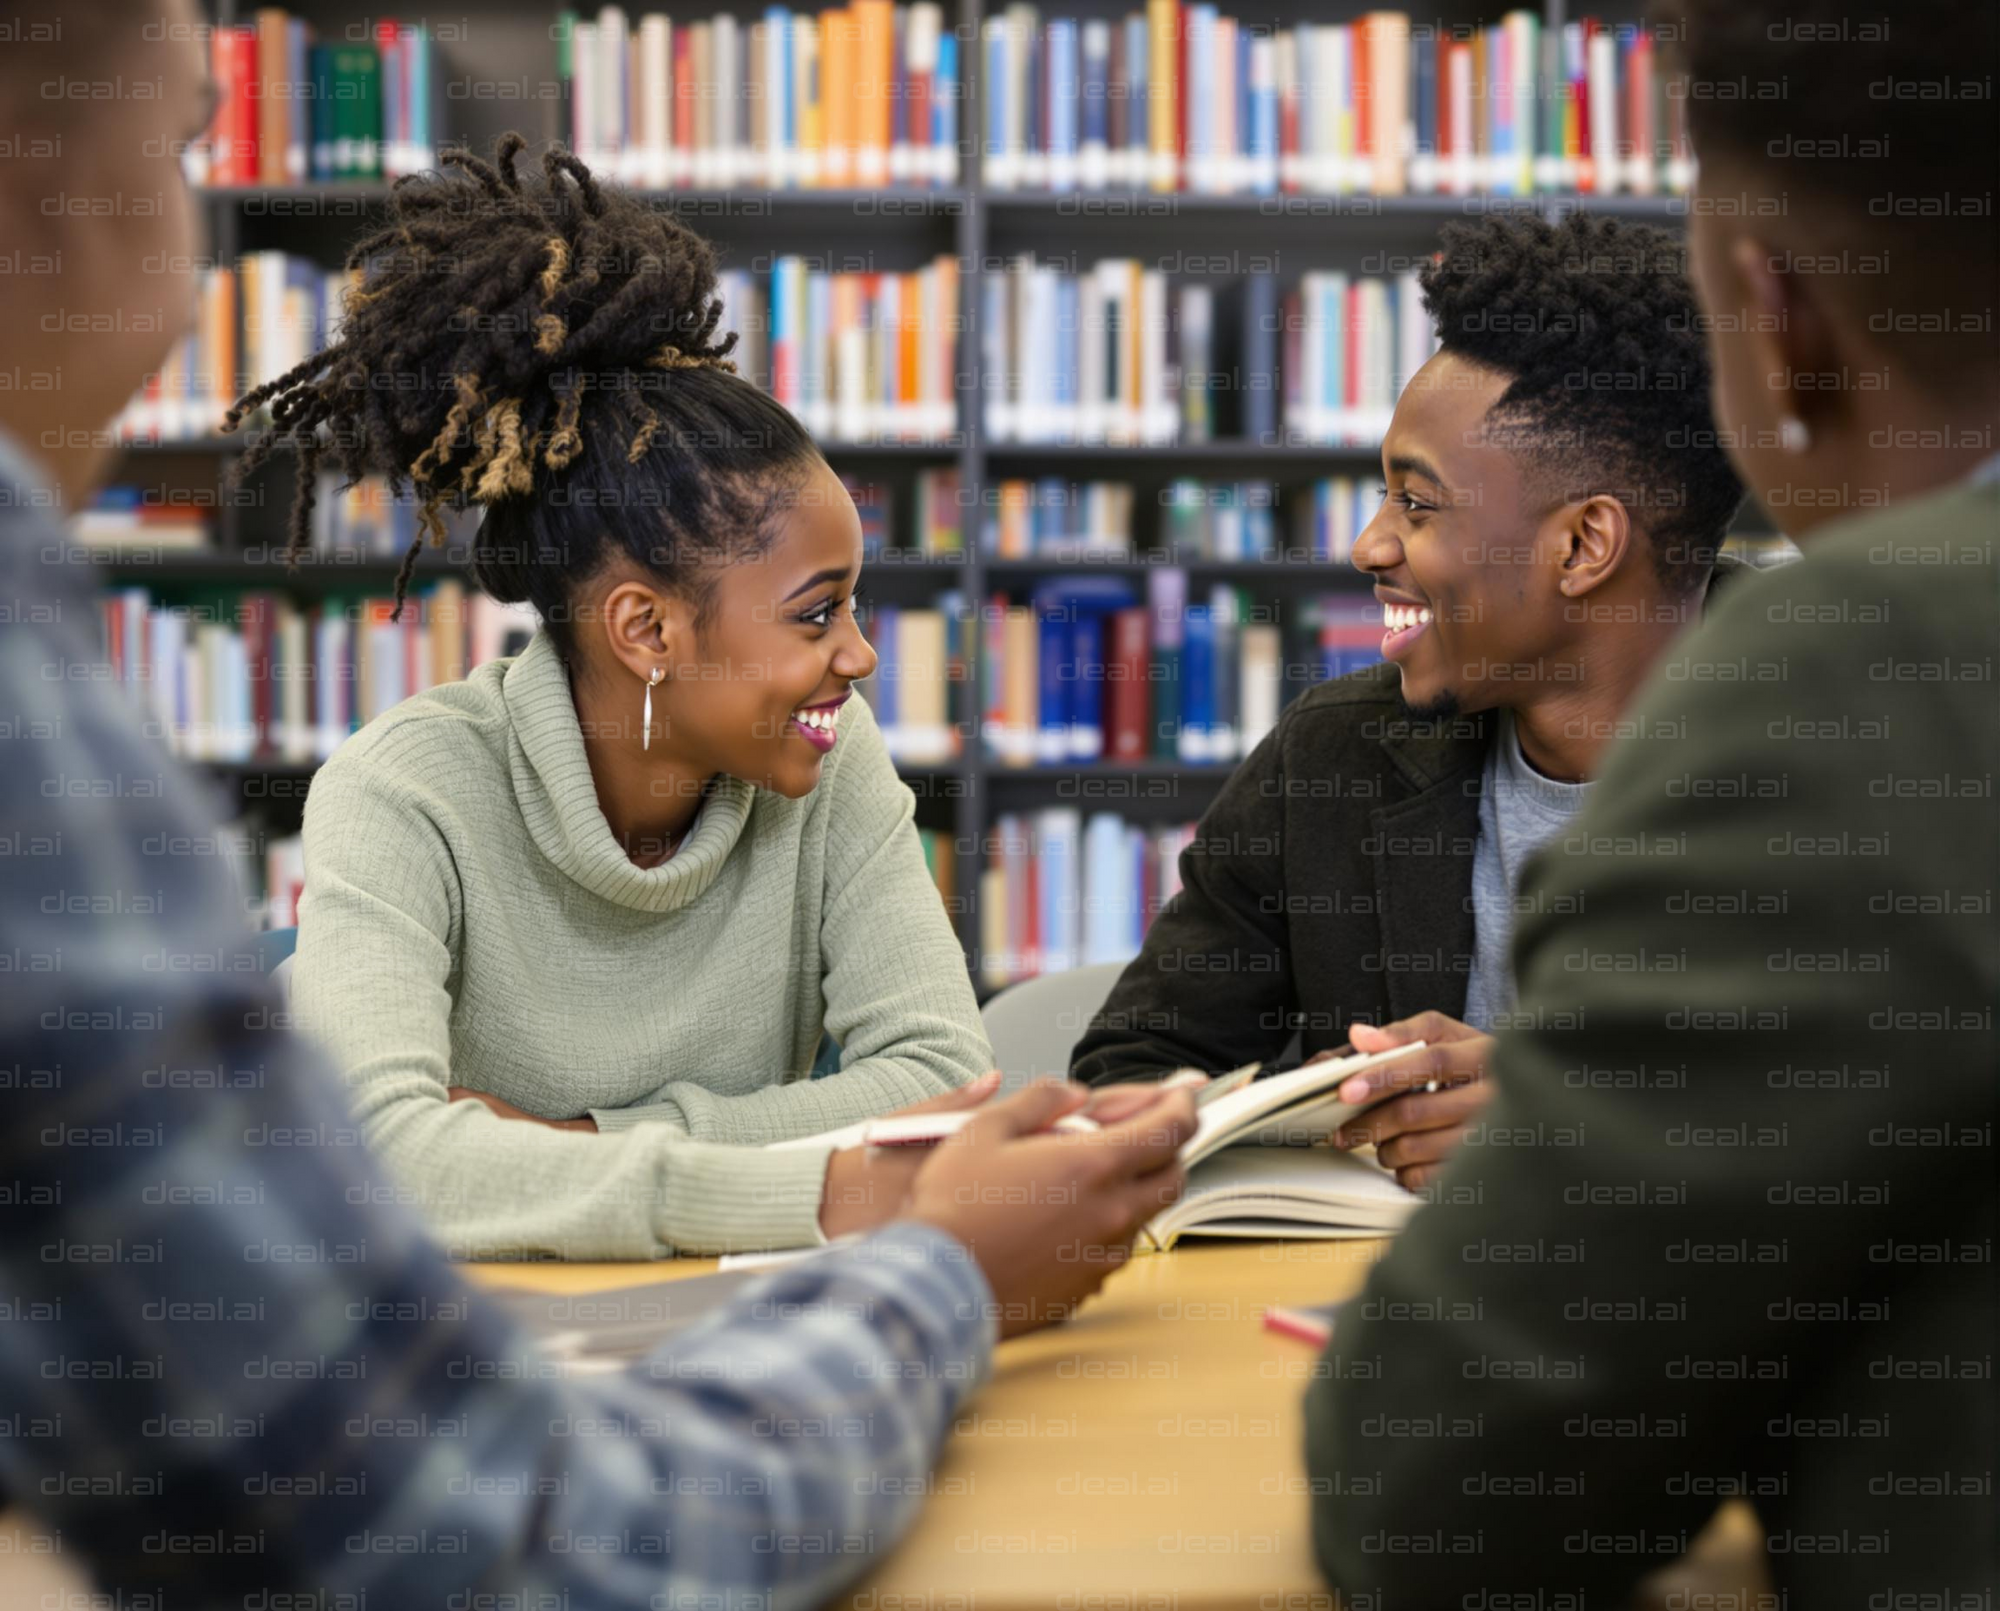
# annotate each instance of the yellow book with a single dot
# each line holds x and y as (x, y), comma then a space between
(1163, 89)
(836, 76)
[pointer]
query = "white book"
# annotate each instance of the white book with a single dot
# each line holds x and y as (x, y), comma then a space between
(294, 669)
(726, 98)
(1260, 682)
(995, 372)
(1603, 132)
(656, 92)
(612, 132)
(1092, 385)
(1159, 420)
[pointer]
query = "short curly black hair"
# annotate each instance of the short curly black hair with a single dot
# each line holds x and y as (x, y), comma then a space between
(1595, 324)
(545, 348)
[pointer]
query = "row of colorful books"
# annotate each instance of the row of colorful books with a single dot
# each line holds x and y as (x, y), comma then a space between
(294, 108)
(856, 356)
(863, 95)
(1085, 669)
(921, 655)
(936, 522)
(253, 322)
(1114, 355)
(1051, 518)
(254, 676)
(1060, 890)
(1184, 97)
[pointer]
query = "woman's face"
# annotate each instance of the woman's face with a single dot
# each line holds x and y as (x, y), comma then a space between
(758, 692)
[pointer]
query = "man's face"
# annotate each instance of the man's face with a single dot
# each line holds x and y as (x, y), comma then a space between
(1467, 576)
(109, 209)
(1741, 353)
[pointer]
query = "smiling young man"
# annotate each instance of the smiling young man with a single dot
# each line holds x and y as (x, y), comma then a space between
(1555, 496)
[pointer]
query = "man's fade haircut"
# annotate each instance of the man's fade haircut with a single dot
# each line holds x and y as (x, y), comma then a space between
(1595, 325)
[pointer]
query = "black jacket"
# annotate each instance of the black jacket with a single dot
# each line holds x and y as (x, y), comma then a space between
(1331, 881)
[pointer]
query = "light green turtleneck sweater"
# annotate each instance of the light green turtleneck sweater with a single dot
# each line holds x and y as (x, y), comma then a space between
(468, 919)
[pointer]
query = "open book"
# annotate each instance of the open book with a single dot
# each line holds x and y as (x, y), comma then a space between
(1258, 1164)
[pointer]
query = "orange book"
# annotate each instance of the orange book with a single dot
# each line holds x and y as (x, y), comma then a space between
(873, 68)
(273, 78)
(909, 356)
(836, 77)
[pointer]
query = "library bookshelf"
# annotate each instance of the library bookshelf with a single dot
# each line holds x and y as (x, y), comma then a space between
(497, 71)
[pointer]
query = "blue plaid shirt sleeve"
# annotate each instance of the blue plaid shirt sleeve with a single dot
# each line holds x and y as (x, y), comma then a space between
(230, 1361)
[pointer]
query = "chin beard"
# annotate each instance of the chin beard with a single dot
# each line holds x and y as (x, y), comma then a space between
(1441, 708)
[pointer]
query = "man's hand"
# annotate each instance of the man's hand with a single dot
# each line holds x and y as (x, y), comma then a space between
(1050, 1214)
(507, 1110)
(1415, 1131)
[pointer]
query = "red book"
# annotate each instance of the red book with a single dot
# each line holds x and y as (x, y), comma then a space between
(684, 107)
(1128, 714)
(1180, 96)
(236, 119)
(255, 613)
(1288, 134)
(1586, 164)
(1361, 93)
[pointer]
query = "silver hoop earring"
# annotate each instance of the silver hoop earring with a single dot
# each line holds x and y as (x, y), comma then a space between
(1793, 436)
(646, 720)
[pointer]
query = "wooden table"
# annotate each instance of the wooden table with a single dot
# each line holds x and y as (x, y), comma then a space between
(1147, 1454)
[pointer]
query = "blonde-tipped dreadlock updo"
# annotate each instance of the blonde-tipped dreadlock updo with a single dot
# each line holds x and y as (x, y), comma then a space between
(546, 348)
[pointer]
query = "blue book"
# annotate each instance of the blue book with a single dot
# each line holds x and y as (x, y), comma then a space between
(944, 100)
(1086, 693)
(1264, 135)
(1423, 52)
(1034, 128)
(882, 686)
(1056, 849)
(1096, 90)
(1068, 375)
(1064, 76)
(1109, 892)
(1137, 118)
(1197, 686)
(778, 36)
(1246, 133)
(996, 91)
(1052, 724)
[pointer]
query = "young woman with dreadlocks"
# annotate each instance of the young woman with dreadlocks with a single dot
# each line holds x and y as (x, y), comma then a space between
(621, 882)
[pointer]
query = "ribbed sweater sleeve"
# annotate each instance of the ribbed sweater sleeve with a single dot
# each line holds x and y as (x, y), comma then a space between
(370, 984)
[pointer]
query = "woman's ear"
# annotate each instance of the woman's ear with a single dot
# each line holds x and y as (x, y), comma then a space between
(1598, 537)
(646, 627)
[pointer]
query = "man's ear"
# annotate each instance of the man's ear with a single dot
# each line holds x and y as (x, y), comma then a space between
(1598, 536)
(1787, 330)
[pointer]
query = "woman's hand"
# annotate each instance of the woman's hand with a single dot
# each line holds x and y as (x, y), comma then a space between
(507, 1110)
(868, 1186)
(1414, 1132)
